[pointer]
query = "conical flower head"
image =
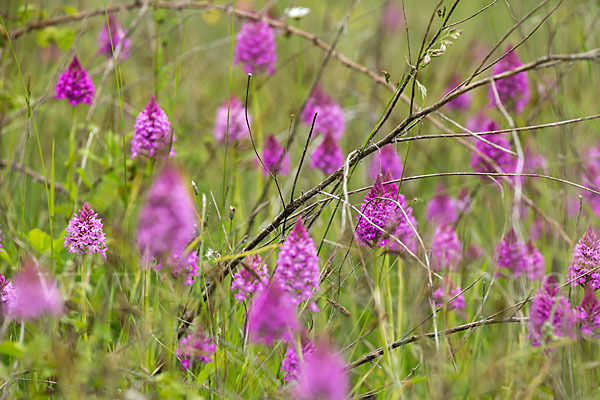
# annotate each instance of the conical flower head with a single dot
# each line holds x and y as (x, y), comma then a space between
(151, 132)
(550, 314)
(251, 277)
(511, 254)
(462, 102)
(255, 48)
(75, 85)
(540, 311)
(384, 212)
(290, 365)
(513, 91)
(272, 315)
(446, 293)
(442, 208)
(275, 158)
(184, 266)
(537, 265)
(392, 18)
(446, 248)
(503, 159)
(330, 116)
(564, 319)
(376, 212)
(590, 178)
(167, 219)
(298, 265)
(586, 257)
(478, 123)
(385, 162)
(195, 346)
(113, 32)
(7, 290)
(237, 128)
(533, 161)
(85, 234)
(34, 294)
(588, 313)
(328, 156)
(322, 376)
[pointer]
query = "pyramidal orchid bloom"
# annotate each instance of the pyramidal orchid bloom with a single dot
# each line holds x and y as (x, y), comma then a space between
(590, 178)
(194, 347)
(113, 32)
(85, 234)
(462, 102)
(503, 159)
(34, 294)
(322, 376)
(74, 84)
(478, 123)
(184, 266)
(550, 309)
(7, 290)
(255, 48)
(167, 219)
(290, 365)
(588, 313)
(298, 265)
(446, 248)
(384, 212)
(251, 277)
(328, 156)
(586, 257)
(511, 254)
(537, 266)
(330, 116)
(446, 292)
(392, 18)
(513, 91)
(534, 161)
(272, 316)
(237, 128)
(151, 132)
(377, 212)
(442, 208)
(275, 158)
(384, 162)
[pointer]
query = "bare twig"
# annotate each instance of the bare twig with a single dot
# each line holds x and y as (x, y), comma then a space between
(460, 328)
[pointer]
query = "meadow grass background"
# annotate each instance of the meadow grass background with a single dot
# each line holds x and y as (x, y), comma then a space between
(183, 57)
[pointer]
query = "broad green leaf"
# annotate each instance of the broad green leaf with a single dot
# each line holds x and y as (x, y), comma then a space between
(46, 36)
(64, 38)
(70, 10)
(39, 240)
(12, 349)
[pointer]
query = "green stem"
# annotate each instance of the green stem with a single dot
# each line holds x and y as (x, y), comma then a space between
(224, 186)
(71, 160)
(83, 308)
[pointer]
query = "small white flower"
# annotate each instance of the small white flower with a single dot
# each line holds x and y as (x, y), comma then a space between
(296, 12)
(426, 60)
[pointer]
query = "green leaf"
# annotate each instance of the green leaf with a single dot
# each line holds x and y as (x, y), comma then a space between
(84, 177)
(70, 10)
(39, 240)
(64, 38)
(4, 256)
(12, 349)
(46, 36)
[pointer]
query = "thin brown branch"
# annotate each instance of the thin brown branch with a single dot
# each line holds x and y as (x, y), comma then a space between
(460, 328)
(33, 175)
